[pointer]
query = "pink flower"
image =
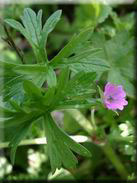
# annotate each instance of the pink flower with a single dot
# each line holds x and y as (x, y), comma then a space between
(114, 97)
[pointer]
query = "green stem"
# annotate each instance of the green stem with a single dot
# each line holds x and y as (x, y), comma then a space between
(107, 149)
(39, 141)
(36, 141)
(82, 121)
(93, 119)
(112, 156)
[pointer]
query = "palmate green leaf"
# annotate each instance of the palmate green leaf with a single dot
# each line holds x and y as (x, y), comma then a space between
(5, 112)
(88, 63)
(38, 99)
(32, 30)
(31, 89)
(85, 58)
(5, 67)
(62, 83)
(16, 106)
(39, 79)
(15, 120)
(59, 145)
(49, 98)
(31, 25)
(104, 12)
(21, 132)
(11, 82)
(80, 83)
(49, 26)
(74, 92)
(63, 80)
(13, 87)
(76, 104)
(92, 15)
(116, 77)
(55, 93)
(39, 20)
(125, 22)
(30, 69)
(15, 115)
(119, 57)
(123, 63)
(18, 26)
(70, 47)
(51, 77)
(36, 72)
(61, 174)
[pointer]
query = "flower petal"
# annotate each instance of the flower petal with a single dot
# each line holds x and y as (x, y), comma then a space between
(121, 108)
(109, 89)
(119, 92)
(124, 102)
(114, 97)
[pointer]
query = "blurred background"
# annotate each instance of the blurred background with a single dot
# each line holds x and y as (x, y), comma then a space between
(31, 160)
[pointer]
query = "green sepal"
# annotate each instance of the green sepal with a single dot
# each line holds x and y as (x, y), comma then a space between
(100, 93)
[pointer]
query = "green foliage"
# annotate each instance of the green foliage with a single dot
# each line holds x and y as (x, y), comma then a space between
(20, 134)
(31, 89)
(60, 143)
(50, 25)
(119, 57)
(71, 93)
(32, 30)
(101, 49)
(71, 46)
(91, 15)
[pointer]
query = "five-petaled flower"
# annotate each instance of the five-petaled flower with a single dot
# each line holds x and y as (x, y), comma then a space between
(114, 97)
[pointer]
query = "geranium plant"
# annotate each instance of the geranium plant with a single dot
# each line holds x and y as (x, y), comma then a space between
(32, 91)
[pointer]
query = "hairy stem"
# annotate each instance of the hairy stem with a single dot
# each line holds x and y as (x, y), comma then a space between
(93, 119)
(10, 41)
(39, 141)
(81, 120)
(107, 149)
(112, 156)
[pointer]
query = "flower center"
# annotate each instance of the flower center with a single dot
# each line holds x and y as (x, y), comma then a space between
(110, 98)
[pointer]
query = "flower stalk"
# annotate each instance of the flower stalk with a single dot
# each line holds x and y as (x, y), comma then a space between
(106, 148)
(112, 156)
(42, 140)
